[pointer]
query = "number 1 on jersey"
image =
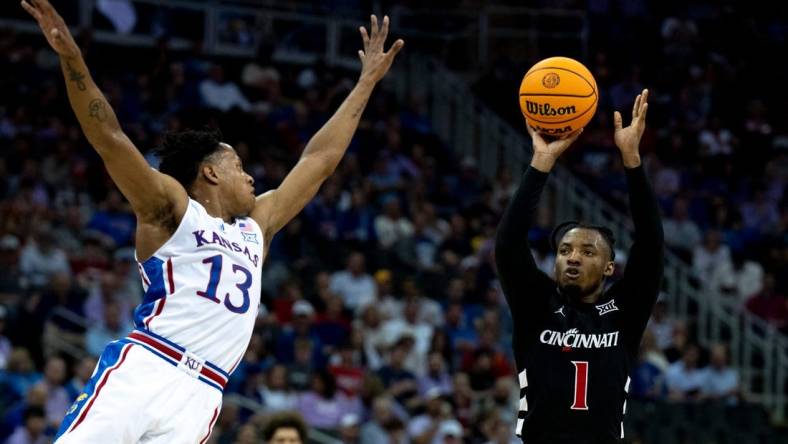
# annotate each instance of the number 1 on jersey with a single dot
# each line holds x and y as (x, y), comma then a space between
(581, 385)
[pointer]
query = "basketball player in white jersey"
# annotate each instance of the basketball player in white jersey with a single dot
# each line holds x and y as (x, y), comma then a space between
(201, 241)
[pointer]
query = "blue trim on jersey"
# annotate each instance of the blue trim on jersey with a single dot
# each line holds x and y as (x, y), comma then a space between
(109, 357)
(181, 349)
(156, 290)
(211, 383)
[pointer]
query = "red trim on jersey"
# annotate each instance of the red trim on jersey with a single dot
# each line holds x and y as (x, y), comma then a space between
(169, 276)
(100, 386)
(206, 371)
(142, 274)
(159, 307)
(210, 426)
(166, 350)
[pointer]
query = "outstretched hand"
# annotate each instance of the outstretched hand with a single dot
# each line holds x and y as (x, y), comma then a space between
(546, 153)
(374, 60)
(53, 27)
(627, 139)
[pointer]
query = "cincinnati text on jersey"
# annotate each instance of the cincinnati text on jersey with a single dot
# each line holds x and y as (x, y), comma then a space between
(573, 339)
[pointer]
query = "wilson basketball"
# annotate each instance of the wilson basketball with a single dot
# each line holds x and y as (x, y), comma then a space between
(558, 96)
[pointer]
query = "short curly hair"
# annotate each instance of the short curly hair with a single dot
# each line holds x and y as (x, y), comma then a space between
(182, 152)
(559, 232)
(285, 420)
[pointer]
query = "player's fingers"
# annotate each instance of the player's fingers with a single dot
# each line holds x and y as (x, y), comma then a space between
(643, 111)
(373, 25)
(364, 37)
(31, 10)
(643, 101)
(617, 120)
(395, 48)
(636, 107)
(384, 30)
(361, 55)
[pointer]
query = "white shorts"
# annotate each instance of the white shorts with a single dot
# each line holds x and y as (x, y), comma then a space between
(138, 394)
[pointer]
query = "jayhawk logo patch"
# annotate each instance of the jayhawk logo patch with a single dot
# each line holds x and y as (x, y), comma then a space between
(79, 399)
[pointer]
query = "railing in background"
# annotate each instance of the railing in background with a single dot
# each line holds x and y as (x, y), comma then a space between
(296, 34)
(757, 349)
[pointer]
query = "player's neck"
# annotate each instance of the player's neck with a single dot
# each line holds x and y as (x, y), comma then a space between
(591, 298)
(210, 200)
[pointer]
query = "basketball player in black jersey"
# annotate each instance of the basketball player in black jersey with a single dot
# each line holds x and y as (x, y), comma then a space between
(575, 344)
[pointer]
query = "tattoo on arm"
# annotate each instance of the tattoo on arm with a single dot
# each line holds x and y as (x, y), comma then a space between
(76, 77)
(98, 110)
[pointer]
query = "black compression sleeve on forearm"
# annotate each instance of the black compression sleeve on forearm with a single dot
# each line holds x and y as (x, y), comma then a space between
(645, 209)
(513, 253)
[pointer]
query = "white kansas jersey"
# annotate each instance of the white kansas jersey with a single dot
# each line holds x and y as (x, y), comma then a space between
(202, 287)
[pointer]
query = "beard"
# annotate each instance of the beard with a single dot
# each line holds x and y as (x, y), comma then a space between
(571, 291)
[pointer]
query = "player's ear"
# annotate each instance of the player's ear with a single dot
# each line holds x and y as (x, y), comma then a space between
(609, 269)
(209, 172)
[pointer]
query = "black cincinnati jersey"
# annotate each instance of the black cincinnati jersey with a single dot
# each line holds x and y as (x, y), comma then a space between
(574, 359)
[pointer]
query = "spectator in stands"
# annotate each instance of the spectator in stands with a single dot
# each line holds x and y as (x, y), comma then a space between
(373, 431)
(684, 378)
(738, 279)
(769, 304)
(409, 328)
(681, 233)
(354, 284)
(391, 226)
(32, 429)
(323, 406)
(437, 376)
(19, 375)
(57, 398)
(109, 329)
(347, 370)
(41, 259)
(661, 324)
(299, 373)
(648, 377)
(349, 429)
(275, 394)
(285, 428)
(83, 370)
(395, 431)
(678, 343)
(424, 428)
(720, 382)
(400, 383)
(220, 93)
(114, 219)
(710, 255)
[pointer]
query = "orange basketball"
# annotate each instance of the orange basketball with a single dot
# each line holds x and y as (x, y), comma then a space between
(558, 96)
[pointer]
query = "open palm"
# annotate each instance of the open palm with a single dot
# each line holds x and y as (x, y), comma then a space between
(627, 139)
(374, 60)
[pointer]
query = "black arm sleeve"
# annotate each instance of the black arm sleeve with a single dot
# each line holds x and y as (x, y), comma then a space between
(525, 286)
(642, 279)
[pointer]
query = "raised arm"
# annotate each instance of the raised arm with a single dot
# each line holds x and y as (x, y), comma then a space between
(517, 269)
(322, 154)
(148, 191)
(643, 272)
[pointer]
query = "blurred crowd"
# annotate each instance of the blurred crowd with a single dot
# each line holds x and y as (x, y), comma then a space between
(382, 320)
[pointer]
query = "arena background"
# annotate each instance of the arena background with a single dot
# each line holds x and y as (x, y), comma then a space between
(380, 299)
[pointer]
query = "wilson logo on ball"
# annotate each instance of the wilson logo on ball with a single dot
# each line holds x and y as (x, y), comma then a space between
(544, 109)
(551, 80)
